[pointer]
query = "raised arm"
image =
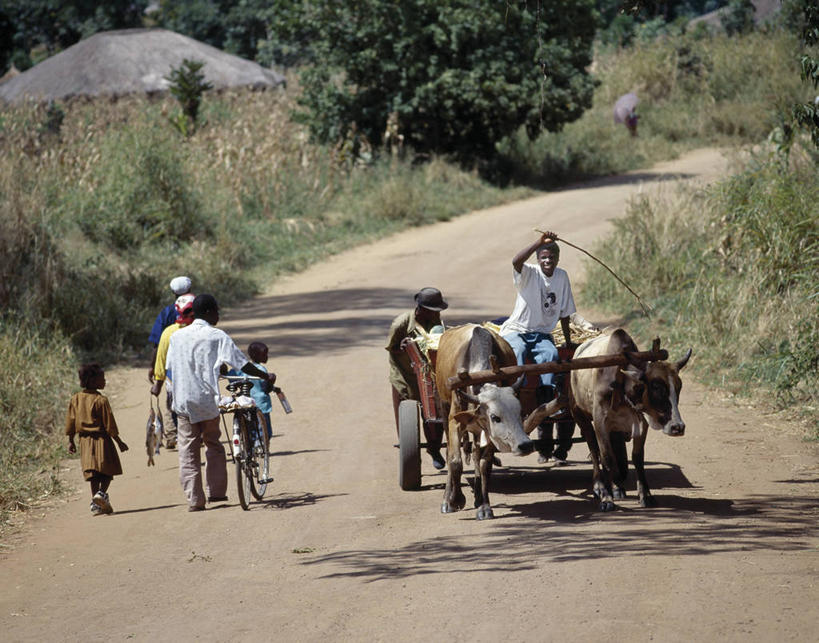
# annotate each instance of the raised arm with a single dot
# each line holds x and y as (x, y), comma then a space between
(253, 370)
(521, 257)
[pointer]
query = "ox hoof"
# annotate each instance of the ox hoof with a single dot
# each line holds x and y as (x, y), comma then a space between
(648, 501)
(456, 505)
(619, 493)
(607, 505)
(484, 513)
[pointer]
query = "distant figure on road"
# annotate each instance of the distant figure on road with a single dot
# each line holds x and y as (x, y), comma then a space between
(625, 112)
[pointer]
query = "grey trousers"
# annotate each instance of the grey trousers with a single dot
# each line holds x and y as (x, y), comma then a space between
(168, 418)
(189, 443)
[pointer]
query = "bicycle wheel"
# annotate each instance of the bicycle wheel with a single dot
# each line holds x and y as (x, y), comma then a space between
(244, 480)
(261, 458)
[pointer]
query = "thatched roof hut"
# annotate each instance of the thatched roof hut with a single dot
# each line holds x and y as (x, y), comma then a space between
(114, 63)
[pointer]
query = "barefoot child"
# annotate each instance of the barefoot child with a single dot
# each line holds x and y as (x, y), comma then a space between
(90, 416)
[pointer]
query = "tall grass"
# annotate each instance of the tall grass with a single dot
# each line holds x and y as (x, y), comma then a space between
(35, 383)
(694, 91)
(733, 272)
(95, 221)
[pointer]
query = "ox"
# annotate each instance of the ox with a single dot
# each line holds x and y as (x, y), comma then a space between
(491, 413)
(613, 405)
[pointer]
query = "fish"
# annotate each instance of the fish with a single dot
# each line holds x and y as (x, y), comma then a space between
(159, 431)
(154, 431)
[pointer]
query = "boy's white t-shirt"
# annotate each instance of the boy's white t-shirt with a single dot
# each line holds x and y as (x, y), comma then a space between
(541, 301)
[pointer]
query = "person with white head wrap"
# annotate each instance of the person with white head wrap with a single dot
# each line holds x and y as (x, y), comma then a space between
(181, 287)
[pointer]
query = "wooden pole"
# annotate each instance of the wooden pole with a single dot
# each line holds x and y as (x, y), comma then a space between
(463, 379)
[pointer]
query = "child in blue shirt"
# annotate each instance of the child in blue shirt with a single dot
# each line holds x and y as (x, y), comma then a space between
(260, 393)
(257, 351)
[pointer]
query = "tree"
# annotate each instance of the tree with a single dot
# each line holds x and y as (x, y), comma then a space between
(806, 115)
(459, 74)
(187, 86)
(202, 20)
(738, 17)
(53, 25)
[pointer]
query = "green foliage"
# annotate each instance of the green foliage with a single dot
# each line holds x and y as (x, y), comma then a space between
(733, 272)
(26, 25)
(693, 92)
(53, 121)
(258, 30)
(187, 85)
(93, 226)
(199, 19)
(35, 383)
(806, 115)
(738, 17)
(459, 75)
(142, 195)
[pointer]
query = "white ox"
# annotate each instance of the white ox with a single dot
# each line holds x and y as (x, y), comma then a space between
(613, 405)
(491, 413)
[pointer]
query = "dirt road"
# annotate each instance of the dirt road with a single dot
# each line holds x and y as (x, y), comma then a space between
(337, 552)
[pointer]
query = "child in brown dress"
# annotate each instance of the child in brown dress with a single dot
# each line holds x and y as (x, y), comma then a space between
(90, 417)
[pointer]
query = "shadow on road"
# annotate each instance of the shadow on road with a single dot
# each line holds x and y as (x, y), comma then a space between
(144, 509)
(565, 525)
(291, 501)
(626, 179)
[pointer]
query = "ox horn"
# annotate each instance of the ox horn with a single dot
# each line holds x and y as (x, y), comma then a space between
(468, 396)
(684, 360)
(518, 383)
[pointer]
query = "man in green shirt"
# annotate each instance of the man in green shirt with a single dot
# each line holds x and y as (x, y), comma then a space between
(414, 323)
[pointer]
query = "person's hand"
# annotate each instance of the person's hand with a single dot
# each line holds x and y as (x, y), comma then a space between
(156, 389)
(72, 448)
(122, 446)
(548, 236)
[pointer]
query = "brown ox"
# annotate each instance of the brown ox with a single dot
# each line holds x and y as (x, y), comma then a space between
(612, 406)
(491, 413)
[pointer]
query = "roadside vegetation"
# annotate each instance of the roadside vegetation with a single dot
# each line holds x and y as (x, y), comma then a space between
(731, 271)
(101, 202)
(695, 90)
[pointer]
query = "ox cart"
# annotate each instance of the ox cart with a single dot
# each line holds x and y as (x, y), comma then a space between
(428, 412)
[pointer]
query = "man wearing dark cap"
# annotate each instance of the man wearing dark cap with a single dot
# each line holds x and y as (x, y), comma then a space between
(415, 323)
(195, 356)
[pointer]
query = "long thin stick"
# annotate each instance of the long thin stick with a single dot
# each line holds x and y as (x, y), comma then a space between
(645, 307)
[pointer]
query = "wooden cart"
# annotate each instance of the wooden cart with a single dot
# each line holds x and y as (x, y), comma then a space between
(413, 415)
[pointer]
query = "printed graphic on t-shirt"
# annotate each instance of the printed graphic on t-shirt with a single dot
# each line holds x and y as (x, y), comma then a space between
(549, 300)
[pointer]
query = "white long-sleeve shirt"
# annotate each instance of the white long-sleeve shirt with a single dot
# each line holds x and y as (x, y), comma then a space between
(195, 354)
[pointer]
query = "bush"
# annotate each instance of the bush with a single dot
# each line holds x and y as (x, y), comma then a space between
(35, 384)
(714, 91)
(731, 272)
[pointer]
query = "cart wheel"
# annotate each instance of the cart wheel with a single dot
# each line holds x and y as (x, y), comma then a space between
(409, 445)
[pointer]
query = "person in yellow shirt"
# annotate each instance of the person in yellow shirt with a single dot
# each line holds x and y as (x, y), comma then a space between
(184, 316)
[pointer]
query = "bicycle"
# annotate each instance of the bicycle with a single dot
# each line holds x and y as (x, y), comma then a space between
(250, 453)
